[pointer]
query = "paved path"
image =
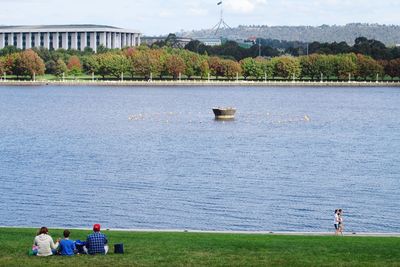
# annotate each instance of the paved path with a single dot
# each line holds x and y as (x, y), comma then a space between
(232, 232)
(205, 83)
(264, 232)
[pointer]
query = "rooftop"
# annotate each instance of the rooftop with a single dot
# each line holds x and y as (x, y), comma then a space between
(42, 27)
(66, 27)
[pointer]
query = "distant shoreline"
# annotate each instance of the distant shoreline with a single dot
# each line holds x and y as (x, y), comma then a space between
(195, 83)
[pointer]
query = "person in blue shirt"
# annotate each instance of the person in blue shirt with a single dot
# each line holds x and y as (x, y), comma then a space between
(67, 246)
(96, 243)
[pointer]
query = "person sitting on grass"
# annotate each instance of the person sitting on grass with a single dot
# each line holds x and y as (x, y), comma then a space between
(96, 243)
(67, 246)
(44, 243)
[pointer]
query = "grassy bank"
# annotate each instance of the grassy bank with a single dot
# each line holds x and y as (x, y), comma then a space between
(195, 249)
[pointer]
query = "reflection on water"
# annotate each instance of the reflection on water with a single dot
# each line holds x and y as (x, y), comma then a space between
(156, 158)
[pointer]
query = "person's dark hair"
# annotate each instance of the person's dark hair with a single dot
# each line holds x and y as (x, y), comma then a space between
(66, 233)
(340, 210)
(43, 230)
(336, 211)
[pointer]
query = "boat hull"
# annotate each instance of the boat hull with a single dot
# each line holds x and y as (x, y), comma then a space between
(224, 113)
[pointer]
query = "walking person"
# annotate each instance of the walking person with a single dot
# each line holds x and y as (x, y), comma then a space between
(336, 222)
(341, 226)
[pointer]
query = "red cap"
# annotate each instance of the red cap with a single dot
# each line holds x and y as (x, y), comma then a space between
(96, 227)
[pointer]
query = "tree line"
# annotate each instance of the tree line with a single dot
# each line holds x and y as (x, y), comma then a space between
(272, 48)
(160, 63)
(387, 34)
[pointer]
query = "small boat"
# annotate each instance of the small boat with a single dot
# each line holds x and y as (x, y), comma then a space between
(224, 113)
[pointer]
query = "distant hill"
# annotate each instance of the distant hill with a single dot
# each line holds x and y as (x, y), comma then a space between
(387, 34)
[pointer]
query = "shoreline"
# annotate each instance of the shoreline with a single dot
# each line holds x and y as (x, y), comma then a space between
(279, 233)
(198, 83)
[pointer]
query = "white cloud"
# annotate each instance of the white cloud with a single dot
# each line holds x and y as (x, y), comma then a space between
(164, 16)
(243, 6)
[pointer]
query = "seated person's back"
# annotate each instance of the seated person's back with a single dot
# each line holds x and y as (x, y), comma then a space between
(96, 242)
(67, 246)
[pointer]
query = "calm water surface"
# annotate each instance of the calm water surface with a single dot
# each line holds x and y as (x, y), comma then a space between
(155, 158)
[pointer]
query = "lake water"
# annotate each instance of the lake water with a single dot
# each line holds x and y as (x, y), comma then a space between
(156, 158)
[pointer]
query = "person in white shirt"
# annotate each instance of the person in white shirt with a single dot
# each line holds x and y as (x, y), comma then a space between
(336, 222)
(44, 243)
(341, 227)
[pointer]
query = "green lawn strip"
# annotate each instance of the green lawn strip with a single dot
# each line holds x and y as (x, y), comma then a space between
(203, 249)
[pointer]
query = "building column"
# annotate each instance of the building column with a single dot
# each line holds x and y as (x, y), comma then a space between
(133, 39)
(46, 40)
(37, 39)
(113, 39)
(74, 40)
(128, 40)
(2, 40)
(19, 40)
(138, 39)
(123, 40)
(103, 39)
(56, 41)
(118, 38)
(109, 40)
(93, 41)
(11, 39)
(83, 41)
(64, 40)
(28, 40)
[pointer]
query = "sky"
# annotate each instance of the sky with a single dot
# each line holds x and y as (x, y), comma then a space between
(160, 17)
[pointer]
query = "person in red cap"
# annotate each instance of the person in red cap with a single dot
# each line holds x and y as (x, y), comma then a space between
(96, 243)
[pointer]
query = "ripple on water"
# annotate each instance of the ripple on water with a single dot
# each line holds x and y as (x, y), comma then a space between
(156, 158)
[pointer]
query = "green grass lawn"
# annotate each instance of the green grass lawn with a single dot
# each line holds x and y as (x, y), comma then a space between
(198, 249)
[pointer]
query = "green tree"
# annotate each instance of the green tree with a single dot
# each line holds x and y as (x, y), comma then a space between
(286, 67)
(113, 64)
(8, 50)
(192, 63)
(309, 67)
(268, 67)
(60, 68)
(252, 68)
(50, 66)
(325, 64)
(345, 66)
(204, 67)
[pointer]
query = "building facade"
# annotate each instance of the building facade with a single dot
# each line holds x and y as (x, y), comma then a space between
(76, 37)
(210, 41)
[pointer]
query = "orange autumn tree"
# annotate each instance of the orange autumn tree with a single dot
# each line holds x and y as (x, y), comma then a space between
(175, 65)
(28, 63)
(74, 66)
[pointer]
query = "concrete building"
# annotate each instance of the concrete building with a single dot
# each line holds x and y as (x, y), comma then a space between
(68, 37)
(210, 41)
(180, 42)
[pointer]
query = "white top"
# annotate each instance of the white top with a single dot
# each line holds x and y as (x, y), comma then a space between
(45, 244)
(336, 221)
